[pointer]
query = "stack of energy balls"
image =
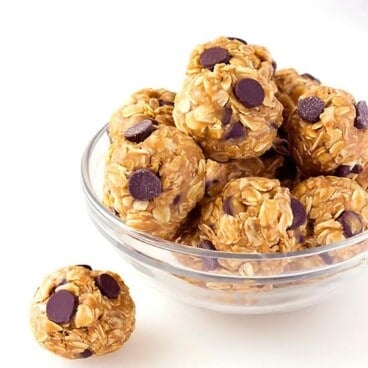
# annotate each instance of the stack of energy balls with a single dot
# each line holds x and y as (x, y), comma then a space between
(244, 158)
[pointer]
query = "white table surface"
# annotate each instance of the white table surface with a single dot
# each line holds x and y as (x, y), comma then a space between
(65, 66)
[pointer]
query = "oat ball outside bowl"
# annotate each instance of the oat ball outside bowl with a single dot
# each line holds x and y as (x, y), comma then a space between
(78, 312)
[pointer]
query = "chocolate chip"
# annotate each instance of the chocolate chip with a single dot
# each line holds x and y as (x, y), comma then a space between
(176, 200)
(144, 185)
(310, 109)
(210, 262)
(361, 119)
(299, 214)
(357, 169)
(226, 115)
(85, 266)
(351, 223)
(311, 77)
(326, 258)
(84, 354)
(227, 207)
(212, 56)
(249, 92)
(107, 285)
(236, 131)
(140, 131)
(238, 39)
(287, 170)
(61, 306)
(342, 171)
(165, 103)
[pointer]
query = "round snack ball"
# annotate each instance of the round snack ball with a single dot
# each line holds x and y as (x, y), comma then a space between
(152, 184)
(231, 112)
(78, 312)
(147, 106)
(323, 134)
(254, 215)
(337, 208)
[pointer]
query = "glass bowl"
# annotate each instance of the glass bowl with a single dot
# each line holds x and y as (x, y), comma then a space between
(228, 282)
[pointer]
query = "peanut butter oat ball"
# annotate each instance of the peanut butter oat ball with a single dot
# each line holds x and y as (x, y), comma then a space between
(325, 133)
(254, 215)
(147, 104)
(231, 112)
(227, 102)
(78, 312)
(337, 208)
(153, 181)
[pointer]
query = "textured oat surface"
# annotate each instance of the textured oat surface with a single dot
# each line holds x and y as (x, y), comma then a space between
(325, 199)
(208, 109)
(179, 163)
(321, 147)
(251, 215)
(100, 325)
(148, 103)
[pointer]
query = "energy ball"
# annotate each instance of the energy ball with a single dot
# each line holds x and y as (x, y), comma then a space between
(254, 215)
(154, 105)
(337, 208)
(155, 179)
(227, 102)
(326, 135)
(78, 312)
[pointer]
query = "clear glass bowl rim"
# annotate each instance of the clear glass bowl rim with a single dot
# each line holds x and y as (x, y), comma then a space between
(180, 248)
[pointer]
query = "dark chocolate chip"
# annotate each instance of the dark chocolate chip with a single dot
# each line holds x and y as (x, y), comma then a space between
(299, 214)
(361, 119)
(84, 354)
(107, 285)
(238, 39)
(210, 262)
(310, 108)
(140, 131)
(326, 258)
(287, 170)
(249, 92)
(311, 77)
(227, 207)
(176, 200)
(61, 306)
(144, 185)
(212, 56)
(165, 103)
(226, 115)
(342, 171)
(357, 169)
(351, 223)
(236, 131)
(85, 266)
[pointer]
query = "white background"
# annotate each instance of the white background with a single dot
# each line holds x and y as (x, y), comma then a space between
(65, 66)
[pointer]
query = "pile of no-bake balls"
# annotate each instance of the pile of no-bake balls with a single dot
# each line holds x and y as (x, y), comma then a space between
(244, 158)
